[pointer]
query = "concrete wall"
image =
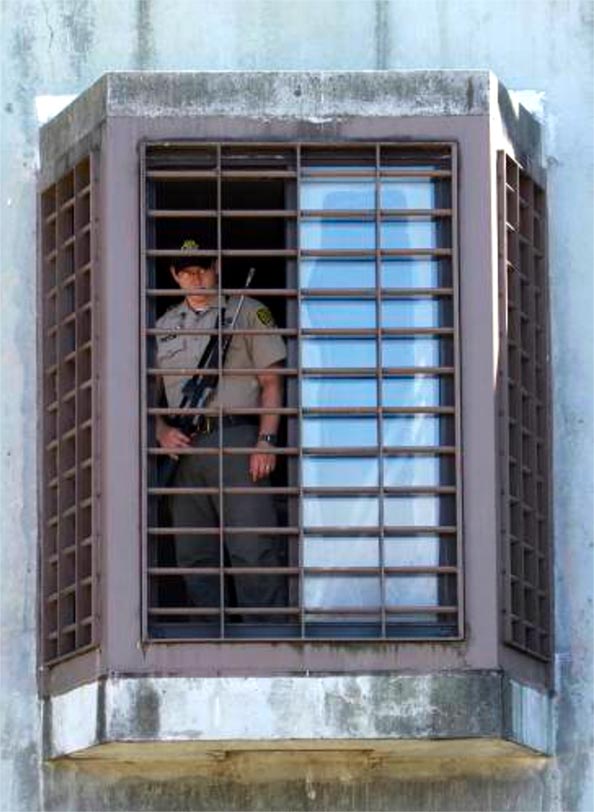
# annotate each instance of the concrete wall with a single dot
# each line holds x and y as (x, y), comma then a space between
(55, 47)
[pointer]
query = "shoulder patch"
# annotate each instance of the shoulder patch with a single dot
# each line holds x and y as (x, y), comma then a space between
(265, 316)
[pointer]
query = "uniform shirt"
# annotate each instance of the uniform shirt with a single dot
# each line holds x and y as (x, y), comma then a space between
(178, 351)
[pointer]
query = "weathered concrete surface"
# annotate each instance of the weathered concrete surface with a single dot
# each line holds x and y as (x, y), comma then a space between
(225, 712)
(318, 780)
(61, 47)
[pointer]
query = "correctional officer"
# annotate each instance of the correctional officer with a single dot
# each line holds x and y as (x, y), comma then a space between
(201, 309)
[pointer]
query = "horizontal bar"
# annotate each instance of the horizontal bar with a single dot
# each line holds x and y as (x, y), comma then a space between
(328, 214)
(225, 213)
(163, 571)
(318, 451)
(321, 410)
(193, 610)
(283, 331)
(371, 253)
(225, 412)
(244, 489)
(239, 451)
(306, 491)
(376, 610)
(367, 571)
(177, 292)
(206, 531)
(371, 214)
(188, 372)
(346, 332)
(333, 372)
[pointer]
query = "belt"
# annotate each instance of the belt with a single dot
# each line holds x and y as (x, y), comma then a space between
(208, 424)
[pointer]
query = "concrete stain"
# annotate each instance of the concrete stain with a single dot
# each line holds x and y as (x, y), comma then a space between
(381, 34)
(146, 712)
(78, 22)
(145, 43)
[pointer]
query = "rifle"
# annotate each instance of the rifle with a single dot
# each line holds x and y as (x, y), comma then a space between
(198, 389)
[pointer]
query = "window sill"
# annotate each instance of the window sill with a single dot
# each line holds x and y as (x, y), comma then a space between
(418, 716)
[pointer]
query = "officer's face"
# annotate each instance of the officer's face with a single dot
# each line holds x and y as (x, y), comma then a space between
(196, 277)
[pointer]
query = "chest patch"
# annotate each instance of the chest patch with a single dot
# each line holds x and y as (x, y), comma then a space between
(265, 316)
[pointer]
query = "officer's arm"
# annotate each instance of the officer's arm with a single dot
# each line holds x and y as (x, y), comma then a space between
(271, 396)
(262, 462)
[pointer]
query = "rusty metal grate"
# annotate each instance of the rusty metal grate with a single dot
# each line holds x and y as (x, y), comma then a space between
(356, 255)
(69, 543)
(524, 391)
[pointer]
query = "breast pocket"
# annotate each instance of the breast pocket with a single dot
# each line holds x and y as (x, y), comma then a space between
(170, 348)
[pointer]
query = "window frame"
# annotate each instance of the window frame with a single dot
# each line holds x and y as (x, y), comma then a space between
(121, 648)
(377, 215)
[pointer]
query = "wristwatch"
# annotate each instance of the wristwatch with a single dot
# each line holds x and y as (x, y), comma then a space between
(267, 438)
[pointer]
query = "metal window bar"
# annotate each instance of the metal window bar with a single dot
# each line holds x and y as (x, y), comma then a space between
(524, 396)
(345, 620)
(69, 603)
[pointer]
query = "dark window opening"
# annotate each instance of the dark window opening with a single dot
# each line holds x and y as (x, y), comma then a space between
(355, 257)
(69, 551)
(524, 395)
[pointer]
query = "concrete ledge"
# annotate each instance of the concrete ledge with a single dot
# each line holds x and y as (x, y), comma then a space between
(295, 712)
(314, 96)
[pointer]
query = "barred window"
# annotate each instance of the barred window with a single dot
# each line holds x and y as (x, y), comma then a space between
(525, 451)
(355, 257)
(68, 326)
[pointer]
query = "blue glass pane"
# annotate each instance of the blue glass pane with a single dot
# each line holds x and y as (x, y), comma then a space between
(414, 352)
(337, 313)
(343, 551)
(415, 273)
(335, 194)
(340, 472)
(418, 471)
(338, 352)
(332, 432)
(411, 193)
(337, 234)
(326, 592)
(340, 511)
(333, 273)
(411, 511)
(417, 430)
(408, 234)
(416, 313)
(415, 551)
(413, 590)
(415, 391)
(338, 392)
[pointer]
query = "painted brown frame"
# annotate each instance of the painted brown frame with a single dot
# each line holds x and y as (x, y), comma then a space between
(121, 650)
(377, 294)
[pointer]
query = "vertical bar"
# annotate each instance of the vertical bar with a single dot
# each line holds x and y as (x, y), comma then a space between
(95, 529)
(48, 269)
(379, 390)
(504, 429)
(458, 440)
(76, 439)
(300, 536)
(59, 433)
(532, 416)
(544, 544)
(144, 497)
(222, 596)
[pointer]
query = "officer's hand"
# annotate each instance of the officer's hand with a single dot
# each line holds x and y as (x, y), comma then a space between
(170, 437)
(261, 463)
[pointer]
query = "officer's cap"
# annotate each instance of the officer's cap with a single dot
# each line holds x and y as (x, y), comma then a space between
(190, 246)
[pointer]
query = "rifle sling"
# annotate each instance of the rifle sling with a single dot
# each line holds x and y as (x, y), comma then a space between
(208, 350)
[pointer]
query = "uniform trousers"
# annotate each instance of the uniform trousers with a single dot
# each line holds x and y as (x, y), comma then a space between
(239, 510)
